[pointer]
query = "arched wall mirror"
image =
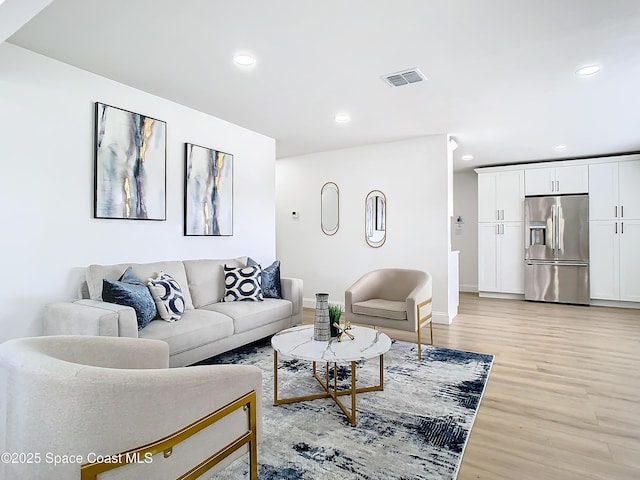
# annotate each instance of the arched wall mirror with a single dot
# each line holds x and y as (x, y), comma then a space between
(329, 208)
(375, 214)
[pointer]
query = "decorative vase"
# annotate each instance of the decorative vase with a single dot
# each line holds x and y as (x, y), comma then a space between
(321, 324)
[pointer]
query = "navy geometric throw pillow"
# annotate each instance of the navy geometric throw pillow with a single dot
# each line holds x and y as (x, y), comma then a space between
(168, 296)
(243, 283)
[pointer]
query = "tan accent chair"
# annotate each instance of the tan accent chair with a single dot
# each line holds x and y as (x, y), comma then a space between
(78, 400)
(395, 298)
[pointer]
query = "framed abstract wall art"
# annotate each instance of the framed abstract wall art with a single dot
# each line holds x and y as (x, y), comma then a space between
(208, 198)
(130, 165)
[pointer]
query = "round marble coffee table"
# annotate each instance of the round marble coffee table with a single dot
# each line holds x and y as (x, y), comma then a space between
(298, 343)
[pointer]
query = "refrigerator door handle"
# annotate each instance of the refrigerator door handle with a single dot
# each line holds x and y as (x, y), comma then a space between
(559, 231)
(621, 211)
(553, 230)
(616, 212)
(557, 264)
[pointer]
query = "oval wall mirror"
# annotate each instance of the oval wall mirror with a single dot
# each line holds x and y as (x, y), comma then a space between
(329, 211)
(375, 214)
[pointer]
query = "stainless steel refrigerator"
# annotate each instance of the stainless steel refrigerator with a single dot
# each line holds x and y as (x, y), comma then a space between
(557, 249)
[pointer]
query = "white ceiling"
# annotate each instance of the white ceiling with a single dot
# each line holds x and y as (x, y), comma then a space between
(500, 72)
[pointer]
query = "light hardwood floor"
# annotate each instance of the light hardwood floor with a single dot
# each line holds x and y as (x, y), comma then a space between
(563, 397)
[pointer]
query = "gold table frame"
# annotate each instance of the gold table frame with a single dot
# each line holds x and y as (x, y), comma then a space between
(329, 391)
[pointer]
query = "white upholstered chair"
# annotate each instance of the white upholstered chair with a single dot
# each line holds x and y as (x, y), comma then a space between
(83, 399)
(395, 298)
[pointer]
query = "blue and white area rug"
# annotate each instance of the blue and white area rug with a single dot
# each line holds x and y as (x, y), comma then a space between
(416, 429)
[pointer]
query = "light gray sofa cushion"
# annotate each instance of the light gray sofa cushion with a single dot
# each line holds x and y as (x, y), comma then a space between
(96, 273)
(249, 315)
(206, 278)
(194, 329)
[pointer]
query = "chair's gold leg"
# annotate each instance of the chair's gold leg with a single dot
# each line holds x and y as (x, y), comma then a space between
(431, 330)
(421, 322)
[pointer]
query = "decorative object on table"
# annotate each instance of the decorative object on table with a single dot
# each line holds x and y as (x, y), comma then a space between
(130, 165)
(208, 198)
(321, 325)
(335, 311)
(423, 435)
(343, 330)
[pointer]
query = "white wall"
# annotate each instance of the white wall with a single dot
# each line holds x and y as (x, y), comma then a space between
(465, 237)
(414, 176)
(46, 186)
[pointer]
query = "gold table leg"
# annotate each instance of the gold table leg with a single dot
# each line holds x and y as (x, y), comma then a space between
(330, 391)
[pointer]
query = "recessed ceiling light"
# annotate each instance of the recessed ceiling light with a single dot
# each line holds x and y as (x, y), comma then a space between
(342, 118)
(588, 70)
(466, 158)
(244, 60)
(560, 148)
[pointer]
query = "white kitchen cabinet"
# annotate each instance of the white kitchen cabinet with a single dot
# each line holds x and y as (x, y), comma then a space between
(615, 260)
(603, 191)
(557, 180)
(629, 191)
(614, 191)
(501, 196)
(630, 260)
(604, 266)
(614, 230)
(501, 257)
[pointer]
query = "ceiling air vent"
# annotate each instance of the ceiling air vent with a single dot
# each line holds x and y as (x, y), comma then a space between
(404, 78)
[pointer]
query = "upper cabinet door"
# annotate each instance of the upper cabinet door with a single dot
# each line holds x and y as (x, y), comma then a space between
(500, 196)
(629, 190)
(603, 191)
(572, 179)
(511, 195)
(557, 180)
(488, 197)
(540, 181)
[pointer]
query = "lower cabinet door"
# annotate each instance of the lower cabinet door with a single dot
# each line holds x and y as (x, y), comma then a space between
(630, 260)
(512, 257)
(488, 257)
(604, 253)
(501, 257)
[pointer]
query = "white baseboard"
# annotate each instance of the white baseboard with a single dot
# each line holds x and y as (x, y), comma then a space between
(509, 296)
(614, 303)
(468, 288)
(443, 318)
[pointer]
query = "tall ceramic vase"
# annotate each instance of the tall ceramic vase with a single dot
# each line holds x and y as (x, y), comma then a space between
(321, 324)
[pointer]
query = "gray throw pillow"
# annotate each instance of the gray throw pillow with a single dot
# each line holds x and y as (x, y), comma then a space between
(271, 286)
(130, 291)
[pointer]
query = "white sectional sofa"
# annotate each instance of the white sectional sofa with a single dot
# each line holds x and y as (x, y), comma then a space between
(208, 326)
